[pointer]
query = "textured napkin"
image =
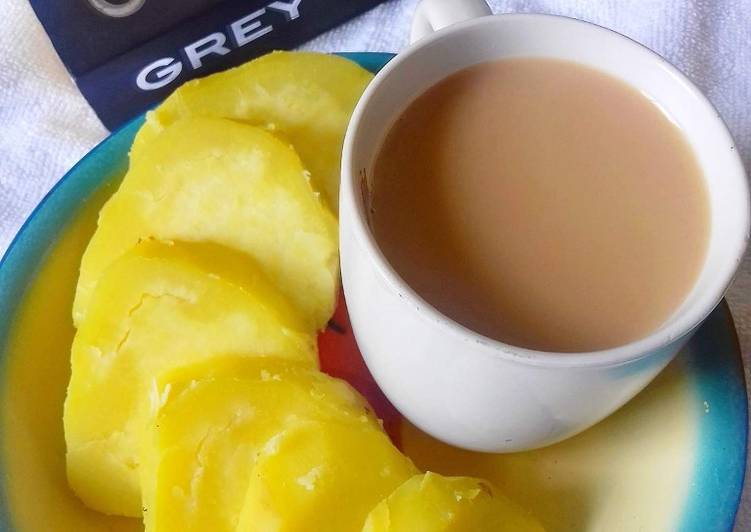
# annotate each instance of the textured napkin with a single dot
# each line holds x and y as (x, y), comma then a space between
(47, 126)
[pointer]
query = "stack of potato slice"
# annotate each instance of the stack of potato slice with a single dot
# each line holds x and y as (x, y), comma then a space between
(275, 447)
(195, 399)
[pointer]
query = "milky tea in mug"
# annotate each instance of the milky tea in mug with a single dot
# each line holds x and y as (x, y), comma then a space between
(543, 204)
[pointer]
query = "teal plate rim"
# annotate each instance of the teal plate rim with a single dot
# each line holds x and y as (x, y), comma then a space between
(713, 361)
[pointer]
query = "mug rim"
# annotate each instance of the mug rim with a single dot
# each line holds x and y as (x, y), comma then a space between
(629, 352)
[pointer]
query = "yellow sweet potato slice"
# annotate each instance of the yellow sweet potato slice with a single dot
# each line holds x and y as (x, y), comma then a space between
(157, 307)
(304, 97)
(322, 476)
(200, 453)
(215, 180)
(433, 503)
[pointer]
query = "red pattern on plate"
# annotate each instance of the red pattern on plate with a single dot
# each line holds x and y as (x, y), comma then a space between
(340, 357)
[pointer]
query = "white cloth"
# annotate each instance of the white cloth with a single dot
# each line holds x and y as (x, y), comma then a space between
(47, 126)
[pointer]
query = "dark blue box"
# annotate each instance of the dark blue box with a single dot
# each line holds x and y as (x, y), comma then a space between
(127, 55)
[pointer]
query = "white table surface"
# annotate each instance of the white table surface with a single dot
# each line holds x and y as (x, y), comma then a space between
(47, 126)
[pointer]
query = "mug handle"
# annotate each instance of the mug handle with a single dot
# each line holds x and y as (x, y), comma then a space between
(433, 15)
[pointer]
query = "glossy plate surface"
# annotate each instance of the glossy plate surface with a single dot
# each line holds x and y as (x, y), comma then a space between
(673, 458)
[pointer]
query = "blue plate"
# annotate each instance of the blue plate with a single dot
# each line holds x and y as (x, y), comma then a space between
(710, 366)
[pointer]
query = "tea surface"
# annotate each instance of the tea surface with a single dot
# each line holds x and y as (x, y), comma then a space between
(542, 203)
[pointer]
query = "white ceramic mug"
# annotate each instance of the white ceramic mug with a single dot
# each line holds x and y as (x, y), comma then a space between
(453, 383)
